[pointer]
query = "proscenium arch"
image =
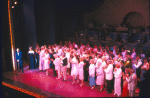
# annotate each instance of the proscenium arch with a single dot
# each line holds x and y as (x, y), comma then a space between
(134, 18)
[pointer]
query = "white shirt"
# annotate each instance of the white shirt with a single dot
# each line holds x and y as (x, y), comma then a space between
(138, 64)
(104, 64)
(118, 73)
(57, 62)
(42, 53)
(31, 51)
(109, 72)
(92, 70)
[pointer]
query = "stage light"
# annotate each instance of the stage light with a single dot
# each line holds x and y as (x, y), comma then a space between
(12, 6)
(15, 2)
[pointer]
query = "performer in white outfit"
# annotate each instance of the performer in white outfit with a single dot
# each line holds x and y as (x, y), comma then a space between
(109, 75)
(74, 70)
(117, 83)
(64, 66)
(81, 72)
(132, 82)
(59, 51)
(46, 61)
(41, 62)
(57, 63)
(99, 73)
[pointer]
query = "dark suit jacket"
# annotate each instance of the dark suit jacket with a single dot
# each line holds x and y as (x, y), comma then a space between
(65, 62)
(19, 57)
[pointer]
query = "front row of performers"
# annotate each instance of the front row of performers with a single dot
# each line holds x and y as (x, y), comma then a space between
(120, 70)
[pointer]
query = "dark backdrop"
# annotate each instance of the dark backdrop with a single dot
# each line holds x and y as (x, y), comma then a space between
(41, 21)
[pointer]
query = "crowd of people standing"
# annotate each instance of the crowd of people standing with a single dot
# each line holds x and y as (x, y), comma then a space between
(123, 70)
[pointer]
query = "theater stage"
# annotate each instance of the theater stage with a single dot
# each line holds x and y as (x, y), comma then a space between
(38, 83)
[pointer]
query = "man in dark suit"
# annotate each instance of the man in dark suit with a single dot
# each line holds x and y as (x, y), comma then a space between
(19, 60)
(86, 71)
(52, 59)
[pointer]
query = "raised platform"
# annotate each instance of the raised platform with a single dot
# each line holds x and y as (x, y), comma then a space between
(37, 82)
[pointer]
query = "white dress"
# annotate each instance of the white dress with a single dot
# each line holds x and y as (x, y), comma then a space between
(46, 61)
(100, 72)
(81, 72)
(74, 70)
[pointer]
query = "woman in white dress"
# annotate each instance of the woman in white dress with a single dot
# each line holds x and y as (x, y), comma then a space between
(81, 72)
(99, 73)
(46, 61)
(74, 70)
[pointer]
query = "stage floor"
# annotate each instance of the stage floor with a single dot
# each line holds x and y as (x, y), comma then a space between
(48, 86)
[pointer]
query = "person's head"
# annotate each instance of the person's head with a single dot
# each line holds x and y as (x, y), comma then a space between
(117, 64)
(30, 48)
(42, 48)
(49, 46)
(122, 62)
(126, 70)
(92, 61)
(81, 59)
(138, 57)
(132, 70)
(63, 55)
(122, 49)
(55, 55)
(46, 51)
(109, 61)
(145, 60)
(17, 50)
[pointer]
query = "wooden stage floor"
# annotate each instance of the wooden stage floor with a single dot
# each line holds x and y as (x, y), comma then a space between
(48, 86)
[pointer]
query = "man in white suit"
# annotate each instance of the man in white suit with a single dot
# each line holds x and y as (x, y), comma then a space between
(41, 62)
(117, 83)
(57, 63)
(109, 75)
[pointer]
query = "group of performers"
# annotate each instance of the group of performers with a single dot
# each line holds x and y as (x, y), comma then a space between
(122, 71)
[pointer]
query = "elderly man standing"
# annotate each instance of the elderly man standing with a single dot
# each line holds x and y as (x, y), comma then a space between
(57, 63)
(19, 60)
(117, 74)
(109, 75)
(132, 82)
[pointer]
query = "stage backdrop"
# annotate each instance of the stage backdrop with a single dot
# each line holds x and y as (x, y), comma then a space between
(45, 21)
(113, 12)
(29, 21)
